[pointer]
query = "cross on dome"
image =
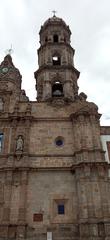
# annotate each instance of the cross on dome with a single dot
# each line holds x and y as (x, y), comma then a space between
(54, 12)
(9, 51)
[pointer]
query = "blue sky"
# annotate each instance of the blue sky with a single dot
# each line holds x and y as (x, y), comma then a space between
(89, 21)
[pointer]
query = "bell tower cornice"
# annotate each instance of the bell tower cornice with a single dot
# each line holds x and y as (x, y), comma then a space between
(64, 67)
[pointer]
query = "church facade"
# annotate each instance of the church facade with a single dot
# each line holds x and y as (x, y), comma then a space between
(54, 155)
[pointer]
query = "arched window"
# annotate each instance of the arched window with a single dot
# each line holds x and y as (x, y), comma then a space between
(46, 39)
(56, 60)
(57, 89)
(55, 38)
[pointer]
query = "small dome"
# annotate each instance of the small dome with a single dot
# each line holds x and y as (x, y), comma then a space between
(54, 21)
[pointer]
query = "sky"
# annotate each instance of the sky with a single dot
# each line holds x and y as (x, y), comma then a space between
(89, 21)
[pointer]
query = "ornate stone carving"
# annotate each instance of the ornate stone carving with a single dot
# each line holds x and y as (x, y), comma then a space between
(19, 143)
(82, 96)
(3, 86)
(58, 102)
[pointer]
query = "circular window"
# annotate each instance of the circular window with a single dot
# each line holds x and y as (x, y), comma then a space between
(59, 141)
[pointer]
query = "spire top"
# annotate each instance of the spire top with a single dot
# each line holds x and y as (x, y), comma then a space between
(9, 51)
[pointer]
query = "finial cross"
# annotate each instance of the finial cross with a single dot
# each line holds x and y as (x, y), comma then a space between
(54, 12)
(10, 50)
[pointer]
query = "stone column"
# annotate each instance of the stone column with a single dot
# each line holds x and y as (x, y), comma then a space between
(12, 137)
(96, 140)
(68, 90)
(27, 135)
(47, 90)
(23, 198)
(79, 131)
(7, 197)
(15, 197)
(82, 200)
(83, 130)
(95, 131)
(76, 134)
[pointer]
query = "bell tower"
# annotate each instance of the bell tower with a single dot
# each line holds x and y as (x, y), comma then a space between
(56, 77)
(54, 178)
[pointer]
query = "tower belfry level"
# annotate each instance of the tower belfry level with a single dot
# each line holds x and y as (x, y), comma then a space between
(54, 155)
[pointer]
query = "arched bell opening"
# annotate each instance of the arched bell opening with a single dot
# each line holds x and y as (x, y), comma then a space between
(57, 89)
(46, 39)
(56, 60)
(55, 38)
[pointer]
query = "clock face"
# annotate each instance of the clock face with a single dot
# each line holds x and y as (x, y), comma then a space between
(4, 70)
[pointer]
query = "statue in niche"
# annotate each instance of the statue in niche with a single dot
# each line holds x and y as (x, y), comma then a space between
(1, 104)
(19, 143)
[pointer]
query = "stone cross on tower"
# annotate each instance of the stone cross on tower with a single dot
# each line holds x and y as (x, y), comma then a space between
(54, 12)
(9, 51)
